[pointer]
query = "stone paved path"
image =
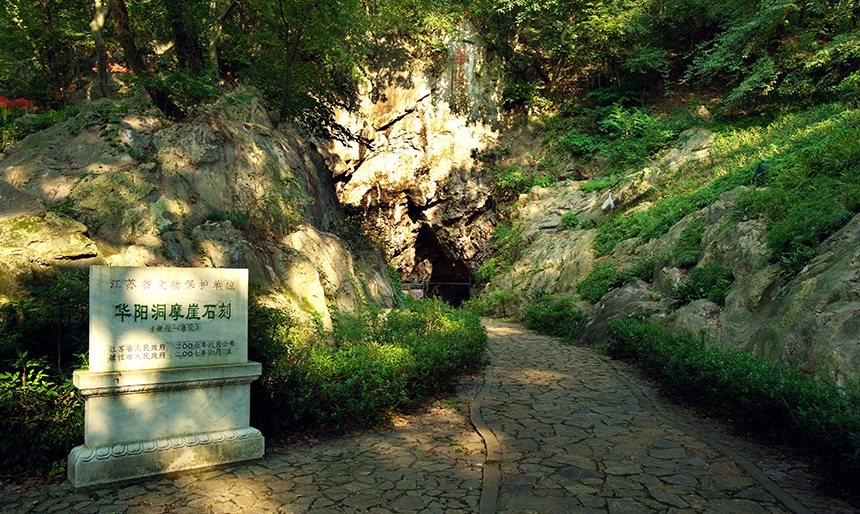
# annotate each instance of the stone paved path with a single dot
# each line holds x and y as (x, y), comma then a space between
(565, 432)
(426, 462)
(572, 434)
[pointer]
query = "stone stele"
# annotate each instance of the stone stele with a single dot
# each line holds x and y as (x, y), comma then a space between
(168, 387)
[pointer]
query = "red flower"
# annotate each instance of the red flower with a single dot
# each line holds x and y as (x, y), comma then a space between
(27, 105)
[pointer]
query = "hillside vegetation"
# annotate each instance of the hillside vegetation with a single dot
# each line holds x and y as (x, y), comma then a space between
(726, 133)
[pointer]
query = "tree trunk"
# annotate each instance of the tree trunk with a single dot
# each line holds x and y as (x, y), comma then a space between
(556, 71)
(135, 60)
(292, 48)
(100, 14)
(51, 54)
(215, 32)
(187, 50)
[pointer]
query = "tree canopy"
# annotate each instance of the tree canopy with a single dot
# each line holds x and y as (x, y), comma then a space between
(304, 54)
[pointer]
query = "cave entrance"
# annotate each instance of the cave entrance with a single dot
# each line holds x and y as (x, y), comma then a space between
(450, 277)
(454, 293)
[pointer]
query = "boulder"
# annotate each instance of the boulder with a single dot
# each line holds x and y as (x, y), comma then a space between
(224, 188)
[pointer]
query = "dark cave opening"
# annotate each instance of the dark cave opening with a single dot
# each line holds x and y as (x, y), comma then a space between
(450, 278)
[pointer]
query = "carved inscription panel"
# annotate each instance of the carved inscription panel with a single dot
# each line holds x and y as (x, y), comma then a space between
(154, 318)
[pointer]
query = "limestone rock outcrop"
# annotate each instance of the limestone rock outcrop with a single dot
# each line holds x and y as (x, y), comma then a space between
(119, 185)
(411, 176)
(811, 320)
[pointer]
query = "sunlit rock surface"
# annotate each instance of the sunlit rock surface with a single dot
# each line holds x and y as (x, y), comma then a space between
(422, 115)
(811, 321)
(121, 186)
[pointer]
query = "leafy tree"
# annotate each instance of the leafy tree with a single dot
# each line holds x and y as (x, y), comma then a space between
(302, 53)
(773, 49)
(43, 44)
(135, 60)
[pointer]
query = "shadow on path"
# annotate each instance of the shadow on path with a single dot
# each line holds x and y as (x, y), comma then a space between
(566, 430)
(575, 434)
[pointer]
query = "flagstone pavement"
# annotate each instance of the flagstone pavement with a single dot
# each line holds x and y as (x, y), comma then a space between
(546, 428)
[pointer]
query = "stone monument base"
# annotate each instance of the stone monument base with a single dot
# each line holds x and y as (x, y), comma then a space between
(106, 464)
(150, 422)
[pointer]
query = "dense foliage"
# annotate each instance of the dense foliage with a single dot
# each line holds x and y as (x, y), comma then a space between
(305, 53)
(370, 366)
(42, 339)
(553, 315)
(810, 189)
(759, 395)
(373, 364)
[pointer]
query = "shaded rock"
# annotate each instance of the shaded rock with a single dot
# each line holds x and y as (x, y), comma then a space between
(350, 279)
(633, 299)
(35, 242)
(14, 203)
(224, 188)
(815, 321)
(696, 316)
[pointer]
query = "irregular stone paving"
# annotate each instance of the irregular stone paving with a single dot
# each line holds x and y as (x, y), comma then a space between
(575, 435)
(426, 462)
(565, 432)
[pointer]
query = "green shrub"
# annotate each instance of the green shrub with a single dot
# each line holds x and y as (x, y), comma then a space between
(576, 144)
(641, 270)
(553, 315)
(16, 129)
(685, 253)
(713, 282)
(41, 415)
(606, 276)
(597, 283)
(509, 246)
(569, 221)
(374, 364)
(498, 304)
(488, 270)
(633, 134)
(51, 321)
(759, 395)
(597, 184)
(511, 181)
(795, 260)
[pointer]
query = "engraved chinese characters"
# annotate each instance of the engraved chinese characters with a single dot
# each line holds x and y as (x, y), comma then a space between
(152, 318)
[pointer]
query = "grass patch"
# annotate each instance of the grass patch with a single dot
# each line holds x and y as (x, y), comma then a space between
(712, 282)
(604, 277)
(686, 251)
(810, 190)
(759, 395)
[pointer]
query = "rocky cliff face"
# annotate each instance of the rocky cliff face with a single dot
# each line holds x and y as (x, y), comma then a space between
(411, 174)
(117, 185)
(812, 321)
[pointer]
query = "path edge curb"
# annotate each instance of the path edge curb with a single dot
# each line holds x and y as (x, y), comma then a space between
(492, 469)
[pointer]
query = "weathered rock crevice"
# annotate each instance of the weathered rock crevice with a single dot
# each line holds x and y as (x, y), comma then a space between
(411, 172)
